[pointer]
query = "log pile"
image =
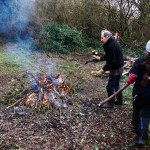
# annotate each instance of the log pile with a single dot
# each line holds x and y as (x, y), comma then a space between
(128, 63)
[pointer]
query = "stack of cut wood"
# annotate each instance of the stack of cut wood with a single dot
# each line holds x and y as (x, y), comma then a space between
(128, 63)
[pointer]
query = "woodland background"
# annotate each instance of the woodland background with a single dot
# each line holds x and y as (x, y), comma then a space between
(129, 17)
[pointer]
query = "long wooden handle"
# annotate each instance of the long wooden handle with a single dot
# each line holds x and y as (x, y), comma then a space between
(112, 96)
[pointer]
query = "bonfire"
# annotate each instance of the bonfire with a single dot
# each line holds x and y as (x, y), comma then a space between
(46, 92)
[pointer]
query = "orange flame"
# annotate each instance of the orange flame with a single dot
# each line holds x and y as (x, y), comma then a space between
(48, 91)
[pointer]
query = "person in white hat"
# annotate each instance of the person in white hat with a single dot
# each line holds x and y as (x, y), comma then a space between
(140, 76)
(148, 46)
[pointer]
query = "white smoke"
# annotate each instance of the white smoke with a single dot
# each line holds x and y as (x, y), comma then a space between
(15, 14)
(29, 61)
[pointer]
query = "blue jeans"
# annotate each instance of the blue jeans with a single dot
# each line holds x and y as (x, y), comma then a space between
(141, 116)
(144, 122)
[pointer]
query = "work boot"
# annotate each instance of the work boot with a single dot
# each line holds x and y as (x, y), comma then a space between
(119, 99)
(107, 105)
(139, 141)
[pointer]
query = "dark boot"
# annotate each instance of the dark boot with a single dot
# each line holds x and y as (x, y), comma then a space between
(109, 104)
(112, 101)
(119, 99)
(139, 141)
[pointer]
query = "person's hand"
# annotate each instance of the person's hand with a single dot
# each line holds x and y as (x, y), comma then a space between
(131, 78)
(96, 57)
(98, 73)
(94, 52)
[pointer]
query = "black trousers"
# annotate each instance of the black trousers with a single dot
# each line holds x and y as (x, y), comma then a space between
(113, 86)
(141, 116)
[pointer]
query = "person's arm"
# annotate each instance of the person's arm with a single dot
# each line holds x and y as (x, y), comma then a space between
(134, 72)
(131, 78)
(135, 68)
(103, 58)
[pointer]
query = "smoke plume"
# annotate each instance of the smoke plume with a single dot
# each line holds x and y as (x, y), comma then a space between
(15, 15)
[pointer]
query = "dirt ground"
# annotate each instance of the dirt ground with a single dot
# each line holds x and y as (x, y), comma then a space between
(81, 126)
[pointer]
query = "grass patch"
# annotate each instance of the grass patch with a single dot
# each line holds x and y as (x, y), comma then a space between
(68, 68)
(9, 72)
(74, 76)
(7, 66)
(12, 96)
(127, 93)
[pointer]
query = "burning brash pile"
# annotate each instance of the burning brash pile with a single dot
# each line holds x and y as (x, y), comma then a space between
(48, 91)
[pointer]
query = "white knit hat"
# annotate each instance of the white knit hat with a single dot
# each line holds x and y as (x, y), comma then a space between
(148, 46)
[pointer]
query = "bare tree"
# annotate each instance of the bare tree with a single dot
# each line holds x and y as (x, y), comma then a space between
(130, 17)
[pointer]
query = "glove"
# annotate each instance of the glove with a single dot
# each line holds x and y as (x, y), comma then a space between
(131, 78)
(94, 52)
(97, 57)
(98, 73)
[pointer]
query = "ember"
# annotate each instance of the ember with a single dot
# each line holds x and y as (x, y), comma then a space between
(47, 91)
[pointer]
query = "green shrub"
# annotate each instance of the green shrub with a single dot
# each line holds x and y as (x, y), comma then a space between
(92, 43)
(60, 38)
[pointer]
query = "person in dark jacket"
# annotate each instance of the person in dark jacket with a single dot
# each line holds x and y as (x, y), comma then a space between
(114, 63)
(140, 74)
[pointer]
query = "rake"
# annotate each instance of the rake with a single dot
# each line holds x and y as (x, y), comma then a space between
(112, 96)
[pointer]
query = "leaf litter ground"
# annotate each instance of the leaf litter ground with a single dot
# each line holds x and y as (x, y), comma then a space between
(81, 126)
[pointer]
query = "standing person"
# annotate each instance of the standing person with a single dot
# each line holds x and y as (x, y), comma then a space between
(117, 36)
(114, 63)
(140, 74)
